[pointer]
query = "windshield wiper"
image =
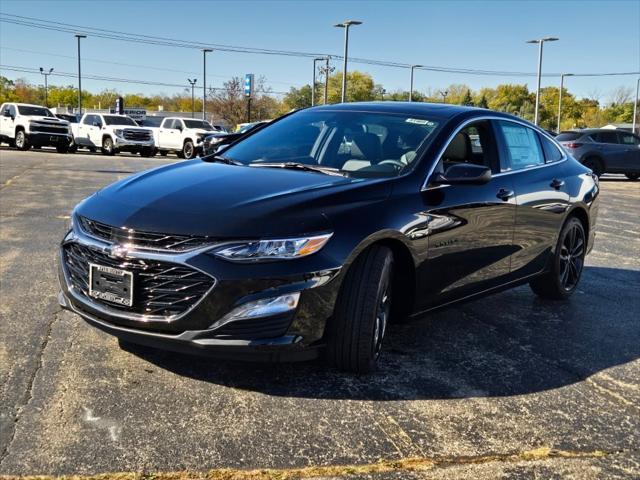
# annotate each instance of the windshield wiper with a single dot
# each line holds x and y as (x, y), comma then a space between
(301, 166)
(221, 159)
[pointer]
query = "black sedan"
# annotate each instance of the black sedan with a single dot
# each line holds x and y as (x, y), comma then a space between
(216, 141)
(312, 234)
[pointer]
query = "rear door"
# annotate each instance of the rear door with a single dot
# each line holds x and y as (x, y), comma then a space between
(613, 151)
(82, 137)
(535, 165)
(470, 227)
(631, 143)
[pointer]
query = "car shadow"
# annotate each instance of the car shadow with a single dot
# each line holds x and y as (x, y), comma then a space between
(512, 343)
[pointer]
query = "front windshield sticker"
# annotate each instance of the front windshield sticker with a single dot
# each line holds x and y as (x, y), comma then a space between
(420, 121)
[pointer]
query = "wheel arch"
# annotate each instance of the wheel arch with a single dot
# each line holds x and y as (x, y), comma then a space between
(581, 214)
(595, 156)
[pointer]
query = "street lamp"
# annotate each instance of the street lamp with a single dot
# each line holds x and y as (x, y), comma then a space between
(382, 92)
(204, 81)
(444, 94)
(346, 26)
(560, 97)
(46, 86)
(193, 98)
(540, 42)
(79, 36)
(411, 87)
(313, 85)
(635, 108)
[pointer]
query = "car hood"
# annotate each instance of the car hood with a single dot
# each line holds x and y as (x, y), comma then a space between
(200, 198)
(39, 118)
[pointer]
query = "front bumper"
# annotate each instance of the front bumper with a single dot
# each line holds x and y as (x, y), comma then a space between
(136, 146)
(198, 329)
(49, 139)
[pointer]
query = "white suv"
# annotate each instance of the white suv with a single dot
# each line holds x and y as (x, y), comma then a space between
(25, 125)
(113, 134)
(182, 135)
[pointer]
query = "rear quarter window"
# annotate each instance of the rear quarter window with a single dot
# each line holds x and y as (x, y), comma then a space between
(551, 152)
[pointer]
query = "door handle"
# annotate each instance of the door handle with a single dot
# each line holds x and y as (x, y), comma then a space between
(504, 194)
(557, 184)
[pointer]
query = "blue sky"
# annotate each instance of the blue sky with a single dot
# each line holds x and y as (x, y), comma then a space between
(599, 36)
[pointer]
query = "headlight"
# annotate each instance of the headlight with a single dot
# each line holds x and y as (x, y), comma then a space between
(119, 132)
(266, 250)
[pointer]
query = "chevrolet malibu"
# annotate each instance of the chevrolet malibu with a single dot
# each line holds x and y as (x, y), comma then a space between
(311, 235)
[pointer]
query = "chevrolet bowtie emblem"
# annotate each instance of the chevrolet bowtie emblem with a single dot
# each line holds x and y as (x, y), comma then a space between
(116, 251)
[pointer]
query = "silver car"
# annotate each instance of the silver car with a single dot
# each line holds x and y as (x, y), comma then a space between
(604, 151)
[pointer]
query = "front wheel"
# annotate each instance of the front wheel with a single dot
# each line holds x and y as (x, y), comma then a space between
(356, 330)
(562, 280)
(595, 165)
(188, 150)
(632, 176)
(107, 146)
(21, 141)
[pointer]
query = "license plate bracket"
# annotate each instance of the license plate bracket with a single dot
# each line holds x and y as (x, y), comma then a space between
(111, 284)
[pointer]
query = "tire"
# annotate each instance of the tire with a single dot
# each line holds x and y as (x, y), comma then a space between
(356, 330)
(595, 164)
(73, 148)
(21, 141)
(632, 176)
(92, 149)
(146, 152)
(180, 154)
(567, 264)
(163, 153)
(188, 150)
(107, 146)
(62, 149)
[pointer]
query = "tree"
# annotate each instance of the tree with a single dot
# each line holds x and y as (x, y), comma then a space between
(467, 100)
(297, 98)
(360, 87)
(7, 90)
(482, 103)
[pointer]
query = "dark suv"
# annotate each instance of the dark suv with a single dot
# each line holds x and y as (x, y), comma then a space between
(604, 151)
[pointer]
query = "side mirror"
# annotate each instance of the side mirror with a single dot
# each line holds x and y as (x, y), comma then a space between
(179, 128)
(97, 124)
(465, 174)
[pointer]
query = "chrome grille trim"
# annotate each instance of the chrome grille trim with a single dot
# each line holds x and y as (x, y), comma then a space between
(143, 240)
(137, 135)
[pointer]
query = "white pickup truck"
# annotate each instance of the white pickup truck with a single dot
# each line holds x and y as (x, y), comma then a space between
(112, 134)
(182, 135)
(23, 126)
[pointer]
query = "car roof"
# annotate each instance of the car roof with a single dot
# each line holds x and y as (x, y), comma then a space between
(440, 110)
(26, 104)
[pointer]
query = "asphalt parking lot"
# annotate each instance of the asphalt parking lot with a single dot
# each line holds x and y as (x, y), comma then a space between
(505, 386)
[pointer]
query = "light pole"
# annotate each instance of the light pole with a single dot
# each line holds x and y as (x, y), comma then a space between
(382, 92)
(635, 108)
(327, 70)
(560, 97)
(313, 85)
(193, 98)
(540, 42)
(444, 94)
(46, 85)
(346, 26)
(204, 81)
(79, 36)
(411, 85)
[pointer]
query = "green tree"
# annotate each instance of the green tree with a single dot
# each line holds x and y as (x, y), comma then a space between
(297, 98)
(467, 100)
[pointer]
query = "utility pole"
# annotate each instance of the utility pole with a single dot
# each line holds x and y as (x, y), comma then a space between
(46, 86)
(560, 97)
(346, 26)
(540, 43)
(79, 36)
(204, 81)
(193, 98)
(411, 85)
(635, 108)
(313, 84)
(327, 71)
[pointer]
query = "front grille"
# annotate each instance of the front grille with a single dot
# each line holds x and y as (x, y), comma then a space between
(50, 128)
(145, 240)
(255, 328)
(160, 288)
(137, 135)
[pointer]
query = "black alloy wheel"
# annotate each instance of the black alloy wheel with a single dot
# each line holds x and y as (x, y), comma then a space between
(562, 279)
(356, 331)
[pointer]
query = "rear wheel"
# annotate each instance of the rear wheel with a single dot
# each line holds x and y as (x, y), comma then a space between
(562, 280)
(356, 330)
(163, 153)
(21, 141)
(107, 146)
(62, 148)
(595, 164)
(632, 176)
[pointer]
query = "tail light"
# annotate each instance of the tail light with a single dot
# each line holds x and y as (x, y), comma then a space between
(573, 145)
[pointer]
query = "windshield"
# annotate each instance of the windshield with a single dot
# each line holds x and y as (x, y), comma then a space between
(119, 120)
(197, 124)
(39, 111)
(357, 143)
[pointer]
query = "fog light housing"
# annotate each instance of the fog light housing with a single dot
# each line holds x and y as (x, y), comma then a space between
(266, 307)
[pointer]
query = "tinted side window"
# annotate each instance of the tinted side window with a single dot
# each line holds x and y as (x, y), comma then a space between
(551, 152)
(12, 110)
(88, 120)
(607, 137)
(522, 145)
(628, 139)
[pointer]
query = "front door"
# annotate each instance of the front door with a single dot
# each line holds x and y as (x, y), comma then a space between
(470, 227)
